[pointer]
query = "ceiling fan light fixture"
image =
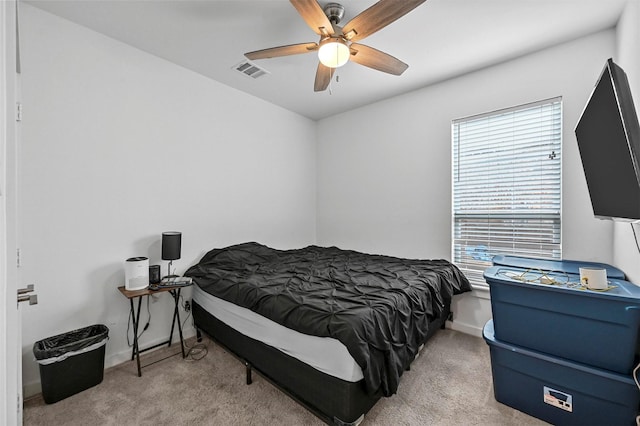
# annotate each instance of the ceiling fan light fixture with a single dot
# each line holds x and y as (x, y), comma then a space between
(333, 52)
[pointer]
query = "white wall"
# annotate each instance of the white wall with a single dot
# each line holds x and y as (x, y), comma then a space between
(384, 170)
(625, 250)
(118, 146)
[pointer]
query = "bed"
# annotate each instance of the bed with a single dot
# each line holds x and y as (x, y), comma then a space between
(334, 329)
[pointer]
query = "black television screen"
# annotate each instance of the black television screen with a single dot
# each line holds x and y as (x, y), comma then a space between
(608, 137)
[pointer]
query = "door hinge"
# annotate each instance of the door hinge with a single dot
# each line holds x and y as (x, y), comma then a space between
(18, 258)
(18, 111)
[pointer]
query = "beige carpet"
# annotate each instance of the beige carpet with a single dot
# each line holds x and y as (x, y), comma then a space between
(449, 384)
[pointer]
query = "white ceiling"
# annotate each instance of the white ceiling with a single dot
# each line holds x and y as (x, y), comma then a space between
(439, 40)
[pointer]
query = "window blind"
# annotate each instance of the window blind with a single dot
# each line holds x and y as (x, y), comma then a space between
(507, 186)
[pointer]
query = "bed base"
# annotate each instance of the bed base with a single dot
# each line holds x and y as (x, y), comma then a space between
(335, 401)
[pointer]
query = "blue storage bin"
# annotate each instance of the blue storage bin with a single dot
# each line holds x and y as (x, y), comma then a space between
(597, 328)
(559, 391)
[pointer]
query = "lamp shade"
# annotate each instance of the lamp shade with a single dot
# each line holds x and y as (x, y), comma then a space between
(171, 244)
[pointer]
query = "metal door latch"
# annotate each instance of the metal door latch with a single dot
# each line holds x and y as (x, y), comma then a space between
(24, 297)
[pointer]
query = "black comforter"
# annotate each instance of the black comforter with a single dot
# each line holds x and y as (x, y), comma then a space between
(379, 307)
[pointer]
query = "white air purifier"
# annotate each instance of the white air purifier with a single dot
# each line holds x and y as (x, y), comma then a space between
(136, 273)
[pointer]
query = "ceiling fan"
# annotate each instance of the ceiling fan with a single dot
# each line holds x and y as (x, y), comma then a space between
(337, 44)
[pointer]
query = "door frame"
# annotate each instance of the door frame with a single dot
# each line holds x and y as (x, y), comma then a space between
(10, 346)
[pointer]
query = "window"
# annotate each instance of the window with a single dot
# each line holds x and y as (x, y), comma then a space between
(506, 186)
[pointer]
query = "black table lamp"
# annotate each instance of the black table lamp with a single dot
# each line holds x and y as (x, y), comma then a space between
(171, 243)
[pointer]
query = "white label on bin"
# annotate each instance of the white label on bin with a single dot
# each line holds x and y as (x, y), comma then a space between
(558, 399)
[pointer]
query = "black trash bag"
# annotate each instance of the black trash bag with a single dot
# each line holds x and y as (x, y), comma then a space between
(72, 341)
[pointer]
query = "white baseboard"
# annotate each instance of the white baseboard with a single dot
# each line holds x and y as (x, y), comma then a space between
(31, 389)
(464, 328)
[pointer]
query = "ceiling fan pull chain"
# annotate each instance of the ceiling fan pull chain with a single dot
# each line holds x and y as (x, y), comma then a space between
(330, 81)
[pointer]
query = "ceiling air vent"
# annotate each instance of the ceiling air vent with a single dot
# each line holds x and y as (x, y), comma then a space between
(250, 69)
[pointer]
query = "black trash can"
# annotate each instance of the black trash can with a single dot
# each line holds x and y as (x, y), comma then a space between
(71, 362)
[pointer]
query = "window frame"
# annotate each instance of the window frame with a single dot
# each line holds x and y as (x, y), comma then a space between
(555, 139)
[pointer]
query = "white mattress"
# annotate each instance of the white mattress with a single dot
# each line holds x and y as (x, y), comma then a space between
(322, 353)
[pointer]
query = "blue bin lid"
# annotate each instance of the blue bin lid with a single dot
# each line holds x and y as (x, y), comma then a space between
(568, 266)
(507, 275)
(488, 333)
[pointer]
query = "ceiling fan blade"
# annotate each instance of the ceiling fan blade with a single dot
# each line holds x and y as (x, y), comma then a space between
(373, 58)
(377, 17)
(314, 16)
(323, 77)
(291, 49)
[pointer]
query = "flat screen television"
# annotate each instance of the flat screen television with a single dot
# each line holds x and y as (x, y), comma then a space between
(608, 137)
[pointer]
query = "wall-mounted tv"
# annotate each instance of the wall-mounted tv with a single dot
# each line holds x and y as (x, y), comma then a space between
(608, 137)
